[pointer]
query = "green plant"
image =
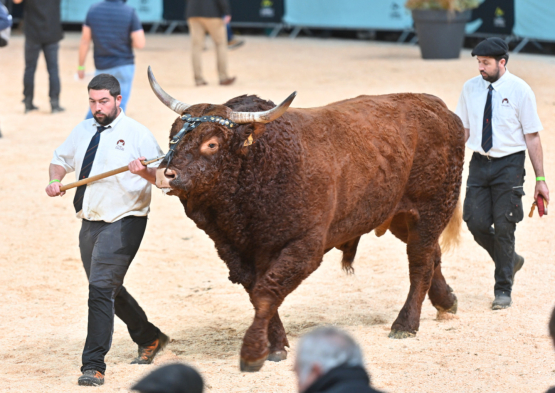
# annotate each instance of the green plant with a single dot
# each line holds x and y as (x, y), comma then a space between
(450, 5)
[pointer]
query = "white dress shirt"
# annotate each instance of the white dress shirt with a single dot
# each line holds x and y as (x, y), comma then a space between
(514, 113)
(118, 196)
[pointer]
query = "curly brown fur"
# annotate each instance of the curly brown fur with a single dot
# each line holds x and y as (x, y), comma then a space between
(320, 178)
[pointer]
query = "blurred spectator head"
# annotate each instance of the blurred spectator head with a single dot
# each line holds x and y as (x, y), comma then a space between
(172, 378)
(322, 350)
(552, 326)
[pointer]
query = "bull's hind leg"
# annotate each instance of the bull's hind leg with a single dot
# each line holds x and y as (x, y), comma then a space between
(293, 265)
(441, 295)
(422, 241)
(278, 340)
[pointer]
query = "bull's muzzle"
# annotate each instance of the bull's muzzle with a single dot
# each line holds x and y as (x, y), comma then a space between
(164, 177)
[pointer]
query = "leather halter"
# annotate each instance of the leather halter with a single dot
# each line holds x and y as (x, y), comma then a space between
(190, 124)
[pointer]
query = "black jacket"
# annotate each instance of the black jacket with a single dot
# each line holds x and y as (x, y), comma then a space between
(208, 8)
(42, 21)
(343, 380)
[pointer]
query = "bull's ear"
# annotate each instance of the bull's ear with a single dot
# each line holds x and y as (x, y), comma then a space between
(250, 133)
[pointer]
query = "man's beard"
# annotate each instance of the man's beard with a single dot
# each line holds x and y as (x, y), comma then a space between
(491, 78)
(108, 118)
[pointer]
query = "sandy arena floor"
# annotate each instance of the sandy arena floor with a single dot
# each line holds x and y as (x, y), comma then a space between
(182, 284)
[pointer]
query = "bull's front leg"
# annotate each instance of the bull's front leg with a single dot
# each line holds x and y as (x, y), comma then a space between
(278, 339)
(285, 273)
(421, 268)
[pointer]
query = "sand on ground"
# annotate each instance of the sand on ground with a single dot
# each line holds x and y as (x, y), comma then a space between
(182, 284)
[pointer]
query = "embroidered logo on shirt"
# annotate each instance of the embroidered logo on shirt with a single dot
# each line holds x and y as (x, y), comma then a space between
(120, 144)
(505, 102)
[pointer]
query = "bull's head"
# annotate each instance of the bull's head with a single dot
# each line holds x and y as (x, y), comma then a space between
(204, 139)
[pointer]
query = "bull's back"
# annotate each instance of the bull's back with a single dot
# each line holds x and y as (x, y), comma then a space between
(368, 152)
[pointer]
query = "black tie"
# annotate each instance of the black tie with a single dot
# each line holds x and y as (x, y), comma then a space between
(86, 168)
(487, 133)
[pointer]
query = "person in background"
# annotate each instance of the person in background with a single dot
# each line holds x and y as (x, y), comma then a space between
(115, 29)
(43, 32)
(552, 334)
(5, 23)
(172, 378)
(329, 360)
(209, 16)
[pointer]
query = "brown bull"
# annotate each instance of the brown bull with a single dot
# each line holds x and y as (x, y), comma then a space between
(314, 179)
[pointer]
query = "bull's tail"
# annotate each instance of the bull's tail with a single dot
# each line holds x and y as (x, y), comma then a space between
(451, 235)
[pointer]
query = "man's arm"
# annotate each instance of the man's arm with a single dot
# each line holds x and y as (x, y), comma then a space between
(57, 172)
(534, 145)
(84, 49)
(138, 39)
(17, 1)
(466, 134)
(136, 167)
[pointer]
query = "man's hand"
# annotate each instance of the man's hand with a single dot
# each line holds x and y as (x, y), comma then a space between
(81, 74)
(541, 188)
(136, 167)
(53, 189)
(227, 19)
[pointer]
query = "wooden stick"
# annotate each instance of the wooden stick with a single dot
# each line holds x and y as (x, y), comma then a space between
(105, 175)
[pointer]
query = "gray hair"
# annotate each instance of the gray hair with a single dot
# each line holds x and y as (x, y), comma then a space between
(328, 347)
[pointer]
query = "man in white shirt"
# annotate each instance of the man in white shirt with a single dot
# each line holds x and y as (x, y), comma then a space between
(499, 114)
(114, 212)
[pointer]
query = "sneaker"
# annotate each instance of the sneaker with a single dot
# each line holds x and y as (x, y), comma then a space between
(228, 81)
(91, 378)
(501, 302)
(148, 352)
(235, 43)
(518, 263)
(201, 83)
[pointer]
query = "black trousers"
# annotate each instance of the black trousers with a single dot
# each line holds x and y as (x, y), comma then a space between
(32, 52)
(494, 197)
(107, 250)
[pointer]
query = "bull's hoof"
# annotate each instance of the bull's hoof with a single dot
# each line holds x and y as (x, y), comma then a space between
(251, 367)
(449, 313)
(400, 334)
(277, 356)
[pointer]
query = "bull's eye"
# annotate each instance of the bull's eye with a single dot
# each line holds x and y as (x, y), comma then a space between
(212, 145)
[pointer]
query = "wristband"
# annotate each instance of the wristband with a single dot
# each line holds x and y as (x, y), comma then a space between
(53, 181)
(540, 178)
(81, 68)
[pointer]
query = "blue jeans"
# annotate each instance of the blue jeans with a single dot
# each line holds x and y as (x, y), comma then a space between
(124, 75)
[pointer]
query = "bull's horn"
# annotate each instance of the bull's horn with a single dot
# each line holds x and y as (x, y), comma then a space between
(263, 117)
(175, 105)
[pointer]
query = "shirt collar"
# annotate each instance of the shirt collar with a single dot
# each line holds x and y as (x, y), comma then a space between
(112, 124)
(498, 82)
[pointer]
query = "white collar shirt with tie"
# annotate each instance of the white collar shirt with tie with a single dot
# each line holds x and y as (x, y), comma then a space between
(514, 113)
(119, 196)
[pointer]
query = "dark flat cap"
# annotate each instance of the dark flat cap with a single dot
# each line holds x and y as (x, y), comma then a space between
(493, 46)
(173, 378)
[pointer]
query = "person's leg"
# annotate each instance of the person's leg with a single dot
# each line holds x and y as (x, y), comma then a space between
(198, 33)
(478, 210)
(229, 32)
(51, 57)
(507, 191)
(32, 51)
(124, 75)
(89, 113)
(216, 29)
(109, 262)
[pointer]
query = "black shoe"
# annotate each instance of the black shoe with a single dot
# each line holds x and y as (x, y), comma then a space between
(501, 302)
(29, 105)
(91, 378)
(56, 108)
(517, 265)
(148, 352)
